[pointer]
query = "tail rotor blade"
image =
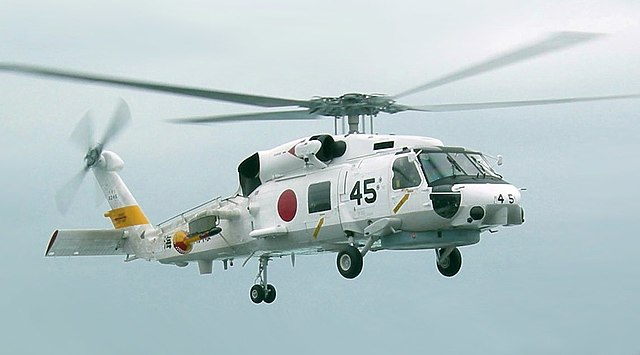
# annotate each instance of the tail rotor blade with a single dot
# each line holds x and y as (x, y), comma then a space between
(98, 194)
(65, 195)
(83, 134)
(120, 118)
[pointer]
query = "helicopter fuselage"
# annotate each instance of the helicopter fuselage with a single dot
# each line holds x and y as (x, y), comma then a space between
(325, 192)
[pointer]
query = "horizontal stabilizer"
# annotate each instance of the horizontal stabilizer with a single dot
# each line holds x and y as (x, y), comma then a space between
(87, 242)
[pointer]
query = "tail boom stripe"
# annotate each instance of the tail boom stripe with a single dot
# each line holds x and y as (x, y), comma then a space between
(127, 216)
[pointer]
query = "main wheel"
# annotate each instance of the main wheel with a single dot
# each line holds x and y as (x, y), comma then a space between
(349, 262)
(450, 265)
(257, 294)
(270, 295)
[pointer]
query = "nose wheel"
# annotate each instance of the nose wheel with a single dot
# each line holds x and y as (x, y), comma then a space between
(262, 291)
(448, 261)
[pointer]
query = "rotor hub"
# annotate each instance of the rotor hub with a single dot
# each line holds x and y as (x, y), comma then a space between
(354, 104)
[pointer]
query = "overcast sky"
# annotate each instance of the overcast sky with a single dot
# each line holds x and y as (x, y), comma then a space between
(564, 282)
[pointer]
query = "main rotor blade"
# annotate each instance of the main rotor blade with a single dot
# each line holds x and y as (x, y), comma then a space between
(83, 134)
(553, 43)
(65, 195)
(120, 118)
(254, 100)
(505, 104)
(258, 116)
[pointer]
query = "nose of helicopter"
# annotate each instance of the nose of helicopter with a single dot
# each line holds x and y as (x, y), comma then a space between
(485, 205)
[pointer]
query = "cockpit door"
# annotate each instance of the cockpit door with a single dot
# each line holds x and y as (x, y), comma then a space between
(408, 188)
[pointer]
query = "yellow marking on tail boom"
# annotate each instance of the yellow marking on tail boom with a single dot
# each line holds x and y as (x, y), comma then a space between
(127, 216)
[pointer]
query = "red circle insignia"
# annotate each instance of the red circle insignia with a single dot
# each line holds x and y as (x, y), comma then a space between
(287, 205)
(180, 242)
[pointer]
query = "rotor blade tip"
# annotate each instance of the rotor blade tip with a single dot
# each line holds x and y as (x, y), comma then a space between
(579, 35)
(187, 121)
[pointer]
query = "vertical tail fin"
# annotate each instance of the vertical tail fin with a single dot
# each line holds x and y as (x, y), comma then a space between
(125, 211)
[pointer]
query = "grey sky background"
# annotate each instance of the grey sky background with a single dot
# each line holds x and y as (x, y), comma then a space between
(564, 282)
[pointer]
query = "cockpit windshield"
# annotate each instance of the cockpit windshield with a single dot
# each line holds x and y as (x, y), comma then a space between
(439, 165)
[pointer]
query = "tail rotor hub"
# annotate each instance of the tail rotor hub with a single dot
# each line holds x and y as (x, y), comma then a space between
(93, 155)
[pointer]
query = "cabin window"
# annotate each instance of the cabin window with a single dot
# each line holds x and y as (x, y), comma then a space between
(405, 174)
(319, 197)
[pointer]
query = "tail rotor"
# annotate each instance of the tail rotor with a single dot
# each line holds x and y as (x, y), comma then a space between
(83, 136)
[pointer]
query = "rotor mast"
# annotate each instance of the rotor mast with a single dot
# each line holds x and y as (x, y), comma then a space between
(354, 123)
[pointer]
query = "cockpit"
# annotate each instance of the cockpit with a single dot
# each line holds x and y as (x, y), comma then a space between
(443, 166)
(450, 165)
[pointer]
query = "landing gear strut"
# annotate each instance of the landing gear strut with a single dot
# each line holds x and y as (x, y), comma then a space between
(448, 261)
(262, 291)
(349, 262)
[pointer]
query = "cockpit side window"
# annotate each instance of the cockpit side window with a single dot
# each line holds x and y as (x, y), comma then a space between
(405, 174)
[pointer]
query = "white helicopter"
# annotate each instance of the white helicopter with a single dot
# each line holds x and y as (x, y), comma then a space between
(347, 193)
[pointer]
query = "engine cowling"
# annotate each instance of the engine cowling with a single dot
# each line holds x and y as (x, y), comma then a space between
(271, 164)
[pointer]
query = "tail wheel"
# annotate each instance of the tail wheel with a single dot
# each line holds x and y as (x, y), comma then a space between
(349, 262)
(270, 295)
(450, 265)
(257, 294)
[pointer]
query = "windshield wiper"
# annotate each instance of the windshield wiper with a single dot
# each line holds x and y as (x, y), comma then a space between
(482, 166)
(454, 166)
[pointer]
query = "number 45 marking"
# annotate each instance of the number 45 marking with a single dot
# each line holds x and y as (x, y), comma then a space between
(500, 199)
(369, 193)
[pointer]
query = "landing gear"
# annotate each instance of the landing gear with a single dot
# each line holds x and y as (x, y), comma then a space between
(448, 261)
(262, 291)
(349, 262)
(257, 294)
(270, 295)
